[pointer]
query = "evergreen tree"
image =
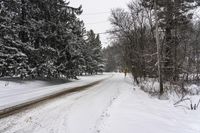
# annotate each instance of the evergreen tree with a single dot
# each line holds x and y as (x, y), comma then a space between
(56, 39)
(46, 36)
(110, 54)
(94, 59)
(12, 59)
(45, 39)
(99, 67)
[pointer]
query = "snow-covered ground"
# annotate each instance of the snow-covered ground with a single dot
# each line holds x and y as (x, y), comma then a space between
(14, 92)
(135, 111)
(113, 106)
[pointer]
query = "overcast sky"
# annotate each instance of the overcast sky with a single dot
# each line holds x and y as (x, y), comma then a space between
(96, 13)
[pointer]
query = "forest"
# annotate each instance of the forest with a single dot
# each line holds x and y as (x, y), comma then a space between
(45, 39)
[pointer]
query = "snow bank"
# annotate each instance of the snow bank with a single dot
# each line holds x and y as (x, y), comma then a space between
(194, 89)
(135, 111)
(150, 86)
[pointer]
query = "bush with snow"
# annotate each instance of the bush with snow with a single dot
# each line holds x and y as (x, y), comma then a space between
(193, 89)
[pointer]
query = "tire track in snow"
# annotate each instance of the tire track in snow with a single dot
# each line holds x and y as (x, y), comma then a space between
(38, 121)
(12, 123)
(7, 124)
(93, 91)
(105, 113)
(66, 113)
(22, 106)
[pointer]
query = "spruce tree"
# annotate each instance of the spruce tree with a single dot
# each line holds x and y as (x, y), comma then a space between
(94, 59)
(12, 59)
(40, 39)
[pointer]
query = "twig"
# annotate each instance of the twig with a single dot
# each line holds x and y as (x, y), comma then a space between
(198, 104)
(182, 101)
(183, 106)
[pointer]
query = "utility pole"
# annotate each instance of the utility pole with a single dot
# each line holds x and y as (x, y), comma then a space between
(159, 57)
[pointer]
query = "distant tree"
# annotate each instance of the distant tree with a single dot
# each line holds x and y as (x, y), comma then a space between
(113, 56)
(94, 60)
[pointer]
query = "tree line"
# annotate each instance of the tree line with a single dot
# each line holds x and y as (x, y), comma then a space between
(45, 39)
(134, 33)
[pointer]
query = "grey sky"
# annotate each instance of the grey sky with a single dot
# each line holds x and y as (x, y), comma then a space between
(96, 13)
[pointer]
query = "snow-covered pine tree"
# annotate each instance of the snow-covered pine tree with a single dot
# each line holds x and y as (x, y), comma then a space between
(48, 38)
(12, 60)
(98, 55)
(60, 33)
(42, 37)
(67, 40)
(56, 35)
(94, 59)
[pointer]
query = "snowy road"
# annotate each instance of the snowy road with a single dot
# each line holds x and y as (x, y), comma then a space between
(112, 106)
(79, 112)
(15, 94)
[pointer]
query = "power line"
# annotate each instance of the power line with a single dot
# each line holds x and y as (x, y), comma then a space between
(99, 22)
(108, 32)
(95, 13)
(102, 33)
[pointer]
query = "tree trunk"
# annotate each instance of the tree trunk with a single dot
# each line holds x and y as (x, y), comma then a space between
(158, 51)
(168, 61)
